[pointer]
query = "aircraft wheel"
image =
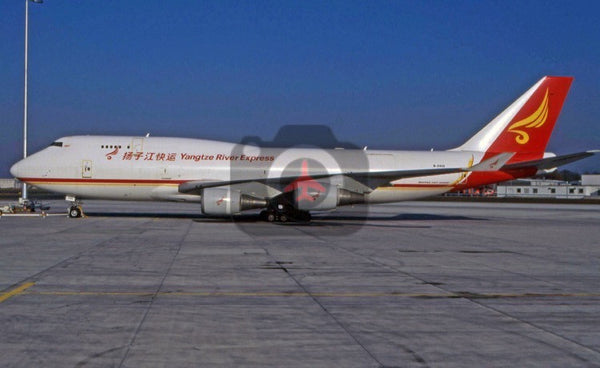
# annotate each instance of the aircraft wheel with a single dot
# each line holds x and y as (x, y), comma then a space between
(270, 217)
(74, 212)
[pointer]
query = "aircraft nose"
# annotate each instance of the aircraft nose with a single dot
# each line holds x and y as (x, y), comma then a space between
(16, 170)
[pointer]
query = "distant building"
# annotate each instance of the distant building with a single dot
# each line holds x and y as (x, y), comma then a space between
(8, 184)
(537, 188)
(590, 180)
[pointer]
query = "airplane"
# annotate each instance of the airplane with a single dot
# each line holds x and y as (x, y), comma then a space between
(288, 183)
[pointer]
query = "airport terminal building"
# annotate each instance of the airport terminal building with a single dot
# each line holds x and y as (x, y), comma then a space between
(8, 184)
(537, 188)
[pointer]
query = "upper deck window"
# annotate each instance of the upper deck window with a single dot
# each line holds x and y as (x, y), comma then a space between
(57, 144)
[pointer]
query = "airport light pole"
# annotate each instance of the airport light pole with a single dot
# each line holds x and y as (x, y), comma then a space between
(24, 191)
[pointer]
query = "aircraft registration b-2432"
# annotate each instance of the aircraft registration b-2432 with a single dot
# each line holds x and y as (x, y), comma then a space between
(288, 183)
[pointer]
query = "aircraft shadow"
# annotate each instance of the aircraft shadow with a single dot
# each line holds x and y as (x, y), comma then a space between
(144, 215)
(397, 217)
(395, 221)
(318, 220)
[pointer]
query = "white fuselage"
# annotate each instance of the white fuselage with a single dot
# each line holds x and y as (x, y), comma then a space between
(152, 168)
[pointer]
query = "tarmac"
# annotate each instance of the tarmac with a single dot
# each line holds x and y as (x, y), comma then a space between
(415, 284)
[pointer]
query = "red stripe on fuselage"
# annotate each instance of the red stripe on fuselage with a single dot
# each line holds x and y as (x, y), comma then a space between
(99, 181)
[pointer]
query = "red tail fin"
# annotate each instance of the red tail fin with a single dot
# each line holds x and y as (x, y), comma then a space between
(525, 126)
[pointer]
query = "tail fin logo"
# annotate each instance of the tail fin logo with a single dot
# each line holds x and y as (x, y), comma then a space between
(535, 120)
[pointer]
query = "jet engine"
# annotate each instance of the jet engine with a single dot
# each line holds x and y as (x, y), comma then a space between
(225, 201)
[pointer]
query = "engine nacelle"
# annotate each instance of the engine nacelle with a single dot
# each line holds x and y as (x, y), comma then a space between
(323, 197)
(225, 201)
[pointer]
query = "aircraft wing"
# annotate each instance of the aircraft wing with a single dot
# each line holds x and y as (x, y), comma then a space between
(550, 162)
(370, 179)
(378, 178)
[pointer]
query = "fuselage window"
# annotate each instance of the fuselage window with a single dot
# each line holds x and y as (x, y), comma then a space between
(57, 144)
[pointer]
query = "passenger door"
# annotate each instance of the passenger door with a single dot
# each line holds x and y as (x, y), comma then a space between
(86, 169)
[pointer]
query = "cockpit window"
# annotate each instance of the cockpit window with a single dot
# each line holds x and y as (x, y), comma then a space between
(57, 144)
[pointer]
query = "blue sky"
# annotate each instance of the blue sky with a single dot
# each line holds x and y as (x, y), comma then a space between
(387, 74)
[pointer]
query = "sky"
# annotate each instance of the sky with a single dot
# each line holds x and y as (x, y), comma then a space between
(383, 74)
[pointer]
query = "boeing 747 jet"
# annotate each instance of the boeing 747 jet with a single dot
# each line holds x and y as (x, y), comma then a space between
(289, 183)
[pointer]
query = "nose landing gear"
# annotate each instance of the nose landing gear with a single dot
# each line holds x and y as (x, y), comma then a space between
(75, 210)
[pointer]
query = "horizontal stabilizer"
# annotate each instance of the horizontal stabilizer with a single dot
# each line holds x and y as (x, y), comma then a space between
(551, 162)
(493, 163)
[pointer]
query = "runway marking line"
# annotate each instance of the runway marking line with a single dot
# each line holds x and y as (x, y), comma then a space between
(449, 295)
(15, 291)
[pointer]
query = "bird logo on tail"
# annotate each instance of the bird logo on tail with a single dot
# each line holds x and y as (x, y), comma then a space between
(535, 120)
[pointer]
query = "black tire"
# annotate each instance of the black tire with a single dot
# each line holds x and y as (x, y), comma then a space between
(283, 217)
(74, 212)
(270, 217)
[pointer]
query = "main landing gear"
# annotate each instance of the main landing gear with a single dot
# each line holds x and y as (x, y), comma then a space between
(283, 213)
(74, 211)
